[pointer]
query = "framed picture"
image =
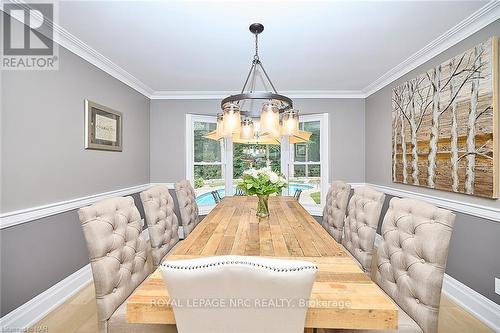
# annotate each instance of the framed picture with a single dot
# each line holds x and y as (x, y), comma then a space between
(103, 127)
(445, 125)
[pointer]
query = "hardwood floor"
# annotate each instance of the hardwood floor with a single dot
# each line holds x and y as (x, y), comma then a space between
(79, 315)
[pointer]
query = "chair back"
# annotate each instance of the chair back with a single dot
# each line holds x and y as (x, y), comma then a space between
(216, 196)
(411, 258)
(334, 209)
(188, 208)
(297, 194)
(241, 289)
(163, 226)
(239, 192)
(117, 252)
(363, 213)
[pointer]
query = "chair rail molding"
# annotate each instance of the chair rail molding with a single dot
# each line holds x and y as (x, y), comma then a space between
(13, 218)
(485, 212)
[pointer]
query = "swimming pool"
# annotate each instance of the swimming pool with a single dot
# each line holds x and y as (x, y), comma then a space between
(207, 198)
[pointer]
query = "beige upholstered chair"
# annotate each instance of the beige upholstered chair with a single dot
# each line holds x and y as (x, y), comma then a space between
(245, 284)
(412, 258)
(163, 226)
(334, 210)
(118, 255)
(411, 261)
(361, 224)
(187, 206)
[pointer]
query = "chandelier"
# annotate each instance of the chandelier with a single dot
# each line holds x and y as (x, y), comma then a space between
(276, 118)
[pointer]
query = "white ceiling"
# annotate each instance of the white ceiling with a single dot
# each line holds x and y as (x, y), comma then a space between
(206, 46)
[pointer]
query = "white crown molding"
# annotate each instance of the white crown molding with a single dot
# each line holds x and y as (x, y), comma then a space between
(475, 22)
(83, 50)
(12, 218)
(478, 20)
(298, 94)
(485, 212)
(75, 45)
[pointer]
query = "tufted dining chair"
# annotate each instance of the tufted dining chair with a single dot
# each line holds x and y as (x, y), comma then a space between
(411, 260)
(187, 206)
(363, 213)
(163, 226)
(334, 209)
(119, 257)
(243, 284)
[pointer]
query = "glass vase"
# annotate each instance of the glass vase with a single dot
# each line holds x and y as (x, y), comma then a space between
(263, 205)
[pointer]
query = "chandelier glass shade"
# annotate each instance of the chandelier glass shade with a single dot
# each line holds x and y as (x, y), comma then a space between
(275, 119)
(231, 120)
(247, 129)
(270, 120)
(290, 122)
(220, 125)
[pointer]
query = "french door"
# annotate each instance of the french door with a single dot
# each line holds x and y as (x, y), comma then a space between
(219, 165)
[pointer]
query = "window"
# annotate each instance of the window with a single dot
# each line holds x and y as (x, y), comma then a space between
(247, 156)
(219, 165)
(206, 171)
(307, 167)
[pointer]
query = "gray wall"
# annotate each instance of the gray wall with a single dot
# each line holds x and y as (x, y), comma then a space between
(347, 141)
(38, 254)
(473, 257)
(43, 161)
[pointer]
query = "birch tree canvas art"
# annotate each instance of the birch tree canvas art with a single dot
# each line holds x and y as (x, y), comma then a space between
(445, 125)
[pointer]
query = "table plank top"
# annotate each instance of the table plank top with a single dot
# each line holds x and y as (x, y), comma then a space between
(343, 296)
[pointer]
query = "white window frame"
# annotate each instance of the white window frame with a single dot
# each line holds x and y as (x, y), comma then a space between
(324, 157)
(190, 163)
(286, 150)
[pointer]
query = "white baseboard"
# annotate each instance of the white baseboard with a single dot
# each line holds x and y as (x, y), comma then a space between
(38, 307)
(476, 304)
(479, 306)
(41, 305)
(32, 311)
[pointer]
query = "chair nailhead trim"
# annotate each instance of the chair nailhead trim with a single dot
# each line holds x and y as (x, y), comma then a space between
(292, 269)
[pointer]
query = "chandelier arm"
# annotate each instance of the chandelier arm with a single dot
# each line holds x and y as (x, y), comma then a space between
(267, 77)
(252, 69)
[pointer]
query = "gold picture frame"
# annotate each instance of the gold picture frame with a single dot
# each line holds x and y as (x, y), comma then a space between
(103, 127)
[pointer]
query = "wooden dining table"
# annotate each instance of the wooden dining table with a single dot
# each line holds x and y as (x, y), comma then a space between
(343, 296)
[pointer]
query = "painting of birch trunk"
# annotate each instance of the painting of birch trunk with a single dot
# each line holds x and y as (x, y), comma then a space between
(445, 125)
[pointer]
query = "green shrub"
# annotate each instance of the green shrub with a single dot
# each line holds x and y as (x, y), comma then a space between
(316, 196)
(199, 182)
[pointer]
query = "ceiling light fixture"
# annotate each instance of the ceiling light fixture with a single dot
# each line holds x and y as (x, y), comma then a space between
(236, 122)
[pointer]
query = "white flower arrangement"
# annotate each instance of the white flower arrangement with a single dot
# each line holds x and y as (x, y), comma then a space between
(262, 181)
